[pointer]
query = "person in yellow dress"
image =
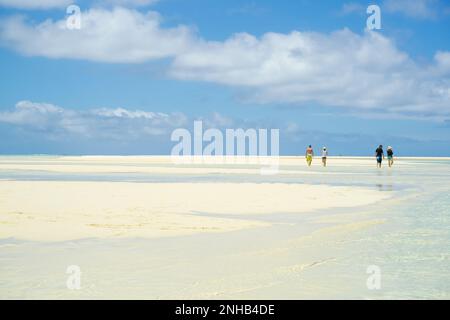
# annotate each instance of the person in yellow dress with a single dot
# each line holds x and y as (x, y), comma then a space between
(309, 155)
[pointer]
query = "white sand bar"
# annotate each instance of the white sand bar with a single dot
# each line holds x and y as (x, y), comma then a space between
(168, 166)
(64, 210)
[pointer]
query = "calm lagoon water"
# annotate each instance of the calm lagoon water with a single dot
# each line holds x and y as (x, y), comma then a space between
(322, 254)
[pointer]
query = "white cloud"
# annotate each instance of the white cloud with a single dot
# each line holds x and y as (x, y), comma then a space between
(364, 72)
(35, 4)
(115, 123)
(341, 69)
(124, 113)
(117, 35)
(443, 61)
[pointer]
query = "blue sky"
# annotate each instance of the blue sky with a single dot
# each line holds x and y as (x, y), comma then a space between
(138, 69)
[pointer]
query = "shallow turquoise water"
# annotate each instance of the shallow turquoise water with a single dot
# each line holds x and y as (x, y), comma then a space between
(287, 261)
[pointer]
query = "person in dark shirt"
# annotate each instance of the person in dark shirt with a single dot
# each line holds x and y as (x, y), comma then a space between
(390, 156)
(379, 154)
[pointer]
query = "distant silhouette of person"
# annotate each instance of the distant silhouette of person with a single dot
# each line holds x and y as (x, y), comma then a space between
(324, 156)
(309, 155)
(379, 154)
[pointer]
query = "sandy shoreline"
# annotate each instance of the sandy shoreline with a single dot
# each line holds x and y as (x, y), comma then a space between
(70, 210)
(165, 165)
(209, 231)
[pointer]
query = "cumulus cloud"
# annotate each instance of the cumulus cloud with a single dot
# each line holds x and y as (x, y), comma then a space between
(366, 72)
(341, 69)
(443, 61)
(116, 35)
(116, 123)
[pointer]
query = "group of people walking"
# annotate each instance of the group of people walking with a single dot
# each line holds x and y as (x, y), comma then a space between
(310, 154)
(379, 155)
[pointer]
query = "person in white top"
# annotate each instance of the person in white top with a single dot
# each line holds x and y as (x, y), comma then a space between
(324, 156)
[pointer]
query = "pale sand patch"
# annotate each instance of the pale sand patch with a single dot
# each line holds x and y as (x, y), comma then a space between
(42, 210)
(129, 168)
(166, 165)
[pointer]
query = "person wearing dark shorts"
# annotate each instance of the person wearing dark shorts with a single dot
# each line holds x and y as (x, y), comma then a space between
(324, 156)
(390, 156)
(379, 154)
